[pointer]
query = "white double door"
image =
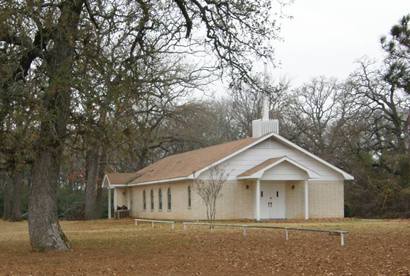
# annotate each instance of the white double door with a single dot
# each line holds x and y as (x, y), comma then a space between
(272, 200)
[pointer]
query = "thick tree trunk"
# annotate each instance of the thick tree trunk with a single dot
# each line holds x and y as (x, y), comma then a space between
(101, 173)
(95, 169)
(91, 188)
(44, 228)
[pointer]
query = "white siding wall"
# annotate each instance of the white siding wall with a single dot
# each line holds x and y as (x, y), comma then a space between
(284, 171)
(237, 201)
(326, 199)
(295, 204)
(274, 149)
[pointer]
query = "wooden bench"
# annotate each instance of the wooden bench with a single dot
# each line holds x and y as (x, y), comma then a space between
(118, 214)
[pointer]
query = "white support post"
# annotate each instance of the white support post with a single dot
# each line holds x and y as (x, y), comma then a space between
(287, 234)
(306, 192)
(342, 239)
(109, 203)
(129, 199)
(244, 231)
(258, 200)
(115, 199)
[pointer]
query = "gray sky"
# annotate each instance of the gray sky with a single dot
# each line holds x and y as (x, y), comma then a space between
(326, 37)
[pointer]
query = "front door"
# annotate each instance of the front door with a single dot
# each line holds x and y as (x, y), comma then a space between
(272, 200)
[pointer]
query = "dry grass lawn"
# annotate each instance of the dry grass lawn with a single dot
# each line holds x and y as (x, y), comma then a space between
(374, 247)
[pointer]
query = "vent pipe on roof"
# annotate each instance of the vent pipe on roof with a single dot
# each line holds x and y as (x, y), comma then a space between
(265, 125)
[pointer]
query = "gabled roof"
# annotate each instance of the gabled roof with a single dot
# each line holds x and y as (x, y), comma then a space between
(184, 165)
(346, 176)
(258, 170)
(187, 165)
(259, 167)
(118, 179)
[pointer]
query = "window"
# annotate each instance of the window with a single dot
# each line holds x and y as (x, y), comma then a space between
(189, 196)
(144, 200)
(152, 200)
(169, 199)
(159, 199)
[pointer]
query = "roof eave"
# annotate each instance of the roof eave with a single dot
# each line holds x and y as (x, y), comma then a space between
(247, 177)
(263, 138)
(160, 181)
(118, 186)
(345, 175)
(259, 174)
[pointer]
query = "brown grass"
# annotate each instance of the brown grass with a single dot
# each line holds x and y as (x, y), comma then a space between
(374, 247)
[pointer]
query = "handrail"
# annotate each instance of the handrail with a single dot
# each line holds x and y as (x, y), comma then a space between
(156, 221)
(244, 227)
(342, 233)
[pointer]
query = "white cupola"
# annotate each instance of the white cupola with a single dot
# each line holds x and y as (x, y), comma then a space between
(265, 125)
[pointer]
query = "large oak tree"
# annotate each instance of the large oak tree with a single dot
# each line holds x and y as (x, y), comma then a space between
(48, 35)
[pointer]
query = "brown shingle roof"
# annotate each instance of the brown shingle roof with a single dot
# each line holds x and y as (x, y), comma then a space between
(259, 167)
(120, 178)
(184, 164)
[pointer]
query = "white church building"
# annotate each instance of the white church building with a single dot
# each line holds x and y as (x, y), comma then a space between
(269, 178)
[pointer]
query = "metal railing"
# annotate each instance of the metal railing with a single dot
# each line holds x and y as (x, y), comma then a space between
(245, 227)
(153, 221)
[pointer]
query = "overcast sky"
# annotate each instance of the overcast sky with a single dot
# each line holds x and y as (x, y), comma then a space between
(326, 37)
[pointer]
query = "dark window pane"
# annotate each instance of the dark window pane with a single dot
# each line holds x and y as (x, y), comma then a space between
(169, 199)
(144, 199)
(152, 199)
(189, 196)
(160, 199)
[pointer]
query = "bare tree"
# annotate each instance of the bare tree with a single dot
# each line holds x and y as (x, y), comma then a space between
(209, 189)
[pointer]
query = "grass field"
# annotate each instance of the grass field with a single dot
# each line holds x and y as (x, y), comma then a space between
(374, 247)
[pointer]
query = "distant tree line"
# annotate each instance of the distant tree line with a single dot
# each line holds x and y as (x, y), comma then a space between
(361, 124)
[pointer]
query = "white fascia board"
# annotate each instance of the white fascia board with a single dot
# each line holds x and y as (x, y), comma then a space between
(286, 141)
(248, 177)
(160, 181)
(259, 174)
(263, 138)
(296, 164)
(111, 186)
(309, 172)
(103, 182)
(108, 182)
